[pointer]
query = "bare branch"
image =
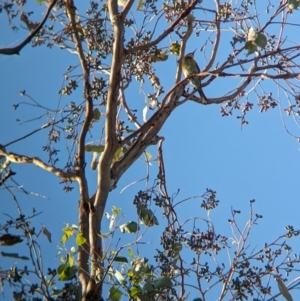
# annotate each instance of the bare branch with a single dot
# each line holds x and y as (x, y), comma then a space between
(129, 113)
(9, 174)
(217, 39)
(127, 8)
(111, 145)
(20, 159)
(83, 251)
(262, 75)
(48, 124)
(17, 49)
(166, 32)
(146, 137)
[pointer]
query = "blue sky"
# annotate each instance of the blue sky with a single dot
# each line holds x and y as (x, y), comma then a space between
(202, 150)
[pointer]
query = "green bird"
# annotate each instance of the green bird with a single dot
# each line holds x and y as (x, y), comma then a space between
(189, 67)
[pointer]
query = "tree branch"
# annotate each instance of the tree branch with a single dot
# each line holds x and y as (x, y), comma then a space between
(227, 97)
(131, 116)
(48, 124)
(111, 145)
(20, 159)
(217, 39)
(286, 75)
(126, 8)
(17, 49)
(9, 174)
(166, 32)
(146, 137)
(85, 204)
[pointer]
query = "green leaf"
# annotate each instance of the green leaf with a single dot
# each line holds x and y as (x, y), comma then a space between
(163, 282)
(65, 272)
(130, 252)
(147, 288)
(251, 47)
(94, 148)
(283, 289)
(131, 227)
(114, 294)
(148, 155)
(120, 259)
(255, 39)
(130, 273)
(96, 114)
(13, 255)
(62, 267)
(80, 240)
(72, 271)
(147, 216)
(139, 5)
(64, 238)
(135, 290)
(261, 40)
(116, 210)
(69, 231)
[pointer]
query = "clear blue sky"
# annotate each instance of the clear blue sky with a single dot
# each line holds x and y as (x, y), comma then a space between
(202, 150)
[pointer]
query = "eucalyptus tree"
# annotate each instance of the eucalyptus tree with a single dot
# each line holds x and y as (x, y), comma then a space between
(118, 44)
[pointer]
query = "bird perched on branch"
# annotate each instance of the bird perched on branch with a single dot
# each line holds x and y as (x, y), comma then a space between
(189, 67)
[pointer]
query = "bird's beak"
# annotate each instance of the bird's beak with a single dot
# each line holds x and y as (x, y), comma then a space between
(194, 51)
